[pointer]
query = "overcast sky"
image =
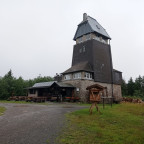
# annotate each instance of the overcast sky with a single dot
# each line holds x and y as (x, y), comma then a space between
(36, 36)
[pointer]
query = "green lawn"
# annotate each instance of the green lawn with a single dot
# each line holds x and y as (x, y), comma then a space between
(121, 124)
(2, 109)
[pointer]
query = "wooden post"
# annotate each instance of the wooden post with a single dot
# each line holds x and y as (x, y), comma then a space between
(103, 102)
(111, 101)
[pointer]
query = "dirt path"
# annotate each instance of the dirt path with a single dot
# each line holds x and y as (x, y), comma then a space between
(33, 123)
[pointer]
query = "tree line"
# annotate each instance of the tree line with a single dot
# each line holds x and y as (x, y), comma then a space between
(11, 86)
(133, 88)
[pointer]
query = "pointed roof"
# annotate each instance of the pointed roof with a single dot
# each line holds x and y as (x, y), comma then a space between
(90, 25)
(83, 66)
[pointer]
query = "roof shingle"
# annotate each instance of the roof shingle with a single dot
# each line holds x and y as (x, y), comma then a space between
(83, 66)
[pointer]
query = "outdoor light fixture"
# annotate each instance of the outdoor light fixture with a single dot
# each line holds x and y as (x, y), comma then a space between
(77, 89)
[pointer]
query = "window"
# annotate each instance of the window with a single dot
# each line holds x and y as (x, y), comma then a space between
(80, 50)
(67, 77)
(80, 40)
(83, 48)
(88, 75)
(103, 40)
(88, 36)
(106, 41)
(32, 91)
(97, 38)
(77, 76)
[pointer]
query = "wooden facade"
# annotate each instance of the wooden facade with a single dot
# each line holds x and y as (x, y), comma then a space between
(52, 91)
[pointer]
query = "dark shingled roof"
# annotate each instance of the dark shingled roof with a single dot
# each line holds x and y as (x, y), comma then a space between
(60, 84)
(43, 84)
(49, 84)
(83, 66)
(90, 25)
(117, 71)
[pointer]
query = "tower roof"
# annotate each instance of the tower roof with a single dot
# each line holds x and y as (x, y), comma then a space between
(90, 25)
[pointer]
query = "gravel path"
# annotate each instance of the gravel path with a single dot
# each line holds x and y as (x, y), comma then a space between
(33, 123)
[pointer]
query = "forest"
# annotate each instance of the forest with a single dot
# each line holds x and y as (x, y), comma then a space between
(10, 85)
(133, 88)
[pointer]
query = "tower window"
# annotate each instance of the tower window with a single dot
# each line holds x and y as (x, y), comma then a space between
(80, 40)
(84, 49)
(88, 36)
(77, 76)
(97, 38)
(103, 40)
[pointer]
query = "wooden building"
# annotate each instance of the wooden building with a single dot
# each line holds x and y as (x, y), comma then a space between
(51, 91)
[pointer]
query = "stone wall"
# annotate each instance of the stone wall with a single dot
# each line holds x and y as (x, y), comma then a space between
(84, 94)
(117, 93)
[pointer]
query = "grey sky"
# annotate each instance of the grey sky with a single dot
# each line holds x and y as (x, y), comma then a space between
(36, 36)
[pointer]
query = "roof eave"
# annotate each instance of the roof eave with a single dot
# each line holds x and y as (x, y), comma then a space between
(76, 71)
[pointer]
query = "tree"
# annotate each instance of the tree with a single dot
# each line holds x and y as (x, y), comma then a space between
(7, 85)
(130, 87)
(138, 82)
(124, 88)
(19, 87)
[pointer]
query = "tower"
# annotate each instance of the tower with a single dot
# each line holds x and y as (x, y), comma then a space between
(92, 60)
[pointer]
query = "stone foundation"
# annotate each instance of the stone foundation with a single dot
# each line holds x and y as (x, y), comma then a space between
(84, 94)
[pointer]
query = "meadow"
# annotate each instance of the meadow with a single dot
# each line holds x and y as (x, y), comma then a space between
(121, 124)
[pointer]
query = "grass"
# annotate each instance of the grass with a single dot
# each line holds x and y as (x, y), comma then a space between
(2, 110)
(121, 124)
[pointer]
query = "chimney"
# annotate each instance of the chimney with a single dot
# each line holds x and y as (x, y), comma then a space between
(84, 16)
